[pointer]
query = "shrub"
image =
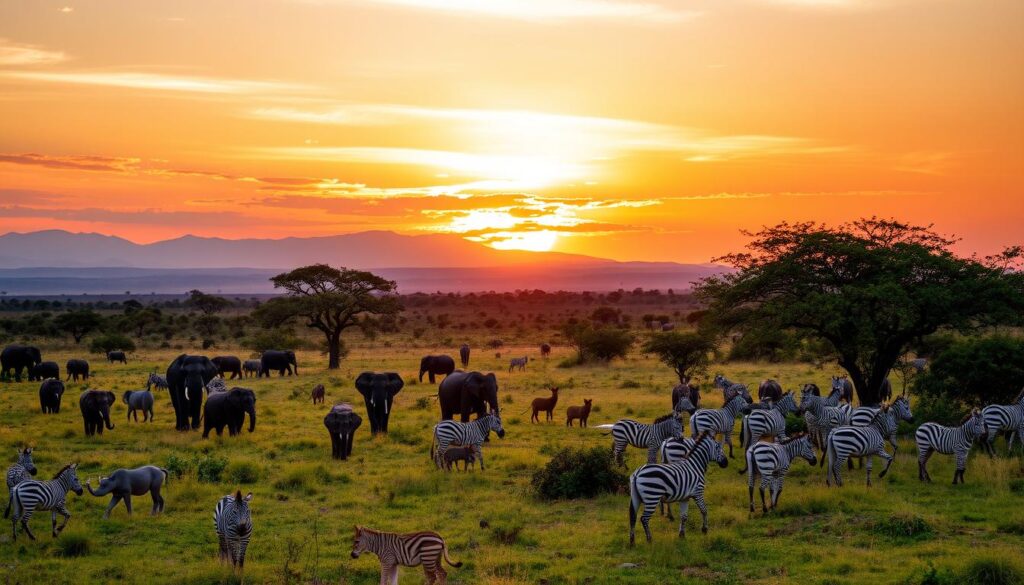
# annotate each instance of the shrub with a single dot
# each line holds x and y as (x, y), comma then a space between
(177, 466)
(243, 472)
(577, 473)
(903, 525)
(276, 338)
(972, 372)
(73, 545)
(209, 468)
(110, 342)
(992, 571)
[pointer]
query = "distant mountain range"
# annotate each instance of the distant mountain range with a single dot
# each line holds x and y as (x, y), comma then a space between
(59, 262)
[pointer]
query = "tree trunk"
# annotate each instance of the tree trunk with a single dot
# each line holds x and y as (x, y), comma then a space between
(334, 351)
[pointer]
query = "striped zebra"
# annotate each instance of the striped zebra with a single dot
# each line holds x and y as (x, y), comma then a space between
(898, 410)
(684, 405)
(721, 420)
(673, 482)
(407, 550)
(17, 473)
(849, 441)
(233, 520)
(933, 437)
(770, 422)
(31, 495)
(473, 434)
(771, 461)
(1004, 418)
(817, 424)
(156, 380)
(628, 432)
(673, 449)
(519, 362)
(844, 386)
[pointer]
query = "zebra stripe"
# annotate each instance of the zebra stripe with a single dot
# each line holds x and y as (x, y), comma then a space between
(932, 437)
(233, 521)
(408, 550)
(156, 380)
(764, 423)
(1004, 418)
(644, 436)
(771, 461)
(849, 441)
(721, 420)
(17, 473)
(816, 413)
(31, 495)
(473, 434)
(898, 410)
(673, 482)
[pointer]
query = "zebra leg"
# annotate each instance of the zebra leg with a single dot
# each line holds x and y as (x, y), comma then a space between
(645, 518)
(750, 488)
(223, 547)
(869, 470)
(684, 513)
(764, 507)
(480, 455)
(778, 492)
(618, 448)
(703, 507)
(7, 512)
(668, 507)
(888, 461)
(922, 464)
(961, 464)
(63, 511)
(727, 439)
(652, 453)
(114, 501)
(244, 544)
(26, 529)
(442, 575)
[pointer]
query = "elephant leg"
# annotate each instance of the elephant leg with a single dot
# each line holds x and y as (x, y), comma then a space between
(114, 501)
(128, 503)
(349, 440)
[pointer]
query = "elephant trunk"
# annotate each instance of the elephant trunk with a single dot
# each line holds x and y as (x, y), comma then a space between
(295, 366)
(252, 419)
(422, 370)
(106, 419)
(103, 489)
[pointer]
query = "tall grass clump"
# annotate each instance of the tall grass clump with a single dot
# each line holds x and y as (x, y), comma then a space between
(578, 473)
(73, 545)
(992, 571)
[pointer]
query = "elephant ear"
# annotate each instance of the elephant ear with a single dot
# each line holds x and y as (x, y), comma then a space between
(491, 376)
(395, 383)
(364, 383)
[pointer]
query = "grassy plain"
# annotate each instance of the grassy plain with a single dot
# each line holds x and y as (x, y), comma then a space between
(306, 504)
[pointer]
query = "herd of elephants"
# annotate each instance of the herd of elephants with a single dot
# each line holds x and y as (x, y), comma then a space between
(834, 427)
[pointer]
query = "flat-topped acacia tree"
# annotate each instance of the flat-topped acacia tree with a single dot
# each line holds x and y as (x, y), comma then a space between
(331, 300)
(869, 288)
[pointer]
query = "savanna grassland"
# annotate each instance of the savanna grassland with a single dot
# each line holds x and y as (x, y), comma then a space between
(305, 503)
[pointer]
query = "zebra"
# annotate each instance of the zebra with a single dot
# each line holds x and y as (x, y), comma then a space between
(932, 437)
(771, 461)
(673, 449)
(899, 410)
(233, 520)
(650, 436)
(407, 550)
(1000, 417)
(684, 405)
(844, 442)
(156, 380)
(17, 473)
(673, 482)
(519, 362)
(31, 495)
(721, 420)
(472, 433)
(764, 423)
(815, 426)
(844, 386)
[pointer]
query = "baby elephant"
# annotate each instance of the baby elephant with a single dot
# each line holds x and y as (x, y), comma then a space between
(125, 483)
(318, 394)
(139, 400)
(455, 454)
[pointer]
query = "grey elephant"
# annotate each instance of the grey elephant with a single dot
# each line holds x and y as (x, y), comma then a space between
(466, 393)
(436, 365)
(125, 483)
(228, 409)
(18, 358)
(281, 361)
(139, 400)
(117, 356)
(50, 393)
(95, 406)
(187, 376)
(228, 364)
(341, 423)
(77, 369)
(379, 392)
(251, 368)
(44, 371)
(464, 355)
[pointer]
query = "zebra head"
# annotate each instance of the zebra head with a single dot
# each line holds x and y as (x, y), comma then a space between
(974, 424)
(25, 460)
(494, 424)
(808, 398)
(711, 448)
(722, 382)
(901, 406)
(684, 405)
(243, 516)
(812, 388)
(361, 542)
(69, 477)
(787, 404)
(800, 446)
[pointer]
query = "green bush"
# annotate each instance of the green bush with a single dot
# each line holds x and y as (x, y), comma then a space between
(271, 339)
(577, 473)
(177, 466)
(111, 342)
(971, 372)
(209, 468)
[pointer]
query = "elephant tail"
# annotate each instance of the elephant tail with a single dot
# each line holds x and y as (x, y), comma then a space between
(167, 476)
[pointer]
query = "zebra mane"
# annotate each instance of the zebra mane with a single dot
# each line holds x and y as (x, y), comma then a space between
(700, 439)
(1019, 397)
(812, 388)
(790, 439)
(664, 418)
(62, 470)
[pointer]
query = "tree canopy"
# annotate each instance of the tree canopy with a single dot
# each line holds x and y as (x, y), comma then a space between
(869, 288)
(687, 353)
(78, 323)
(207, 304)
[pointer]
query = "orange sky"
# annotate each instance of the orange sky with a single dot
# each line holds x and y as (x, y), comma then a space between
(628, 129)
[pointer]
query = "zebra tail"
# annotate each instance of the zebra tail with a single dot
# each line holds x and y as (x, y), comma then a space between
(634, 504)
(448, 559)
(830, 448)
(433, 443)
(744, 429)
(15, 505)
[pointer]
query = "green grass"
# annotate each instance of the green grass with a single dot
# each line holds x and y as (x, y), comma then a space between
(490, 519)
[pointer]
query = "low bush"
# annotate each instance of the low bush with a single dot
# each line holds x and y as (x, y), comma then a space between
(111, 342)
(902, 525)
(577, 473)
(210, 468)
(243, 472)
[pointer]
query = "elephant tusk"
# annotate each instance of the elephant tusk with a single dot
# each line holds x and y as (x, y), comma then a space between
(385, 407)
(186, 393)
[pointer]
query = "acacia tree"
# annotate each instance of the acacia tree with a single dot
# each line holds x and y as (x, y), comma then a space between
(206, 303)
(329, 299)
(688, 354)
(868, 288)
(78, 323)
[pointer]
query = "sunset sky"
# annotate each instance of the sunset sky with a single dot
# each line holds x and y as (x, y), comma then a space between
(626, 129)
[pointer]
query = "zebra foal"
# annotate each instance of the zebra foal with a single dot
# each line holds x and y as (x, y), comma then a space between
(233, 522)
(408, 550)
(471, 434)
(17, 473)
(31, 495)
(932, 437)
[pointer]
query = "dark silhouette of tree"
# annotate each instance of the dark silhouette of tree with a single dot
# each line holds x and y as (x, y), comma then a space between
(78, 323)
(206, 304)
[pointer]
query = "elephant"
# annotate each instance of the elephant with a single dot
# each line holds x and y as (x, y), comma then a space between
(18, 358)
(44, 371)
(281, 361)
(228, 364)
(468, 392)
(341, 423)
(229, 409)
(139, 400)
(436, 365)
(50, 393)
(379, 391)
(95, 405)
(464, 355)
(76, 368)
(116, 356)
(125, 483)
(186, 377)
(251, 368)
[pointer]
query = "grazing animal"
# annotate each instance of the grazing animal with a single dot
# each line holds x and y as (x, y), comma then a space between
(228, 364)
(228, 409)
(125, 483)
(233, 521)
(769, 390)
(844, 386)
(471, 434)
(318, 394)
(436, 365)
(455, 454)
(545, 350)
(464, 355)
(31, 495)
(76, 369)
(95, 406)
(186, 377)
(770, 422)
(899, 410)
(18, 358)
(139, 400)
(17, 473)
(466, 393)
(251, 368)
(50, 393)
(819, 414)
(156, 380)
(691, 392)
(771, 461)
(407, 550)
(680, 482)
(116, 356)
(519, 362)
(545, 404)
(341, 422)
(673, 449)
(637, 434)
(579, 412)
(1004, 418)
(44, 371)
(933, 437)
(845, 442)
(280, 360)
(721, 420)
